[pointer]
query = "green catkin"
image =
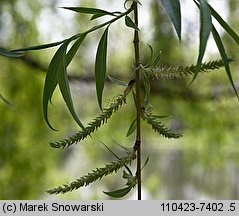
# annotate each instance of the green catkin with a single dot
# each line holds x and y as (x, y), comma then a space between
(96, 123)
(180, 72)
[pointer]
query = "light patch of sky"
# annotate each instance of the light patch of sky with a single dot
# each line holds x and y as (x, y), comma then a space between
(22, 6)
(222, 9)
(51, 23)
(7, 24)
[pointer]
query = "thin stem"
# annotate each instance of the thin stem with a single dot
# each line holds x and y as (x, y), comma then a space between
(137, 146)
(76, 35)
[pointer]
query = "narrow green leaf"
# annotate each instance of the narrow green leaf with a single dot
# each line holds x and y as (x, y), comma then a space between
(153, 62)
(109, 149)
(205, 29)
(7, 53)
(132, 128)
(156, 60)
(116, 156)
(5, 100)
(71, 53)
(55, 66)
(224, 56)
(100, 66)
(51, 81)
(129, 22)
(151, 56)
(38, 47)
(87, 10)
(119, 193)
(224, 25)
(173, 10)
(64, 86)
(96, 16)
(117, 81)
(145, 163)
(127, 149)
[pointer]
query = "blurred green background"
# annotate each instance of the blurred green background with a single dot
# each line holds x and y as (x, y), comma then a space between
(204, 164)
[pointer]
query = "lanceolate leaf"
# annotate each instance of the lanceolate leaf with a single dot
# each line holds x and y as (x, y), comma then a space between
(129, 22)
(6, 53)
(126, 149)
(224, 56)
(71, 53)
(100, 66)
(64, 86)
(156, 60)
(173, 10)
(95, 16)
(38, 47)
(205, 29)
(226, 27)
(95, 11)
(51, 80)
(116, 156)
(56, 73)
(151, 56)
(132, 128)
(153, 61)
(119, 193)
(87, 10)
(5, 100)
(145, 163)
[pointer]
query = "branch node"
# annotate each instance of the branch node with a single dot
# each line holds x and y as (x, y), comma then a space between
(137, 145)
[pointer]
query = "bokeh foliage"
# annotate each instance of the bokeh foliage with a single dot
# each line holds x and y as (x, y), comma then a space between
(206, 111)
